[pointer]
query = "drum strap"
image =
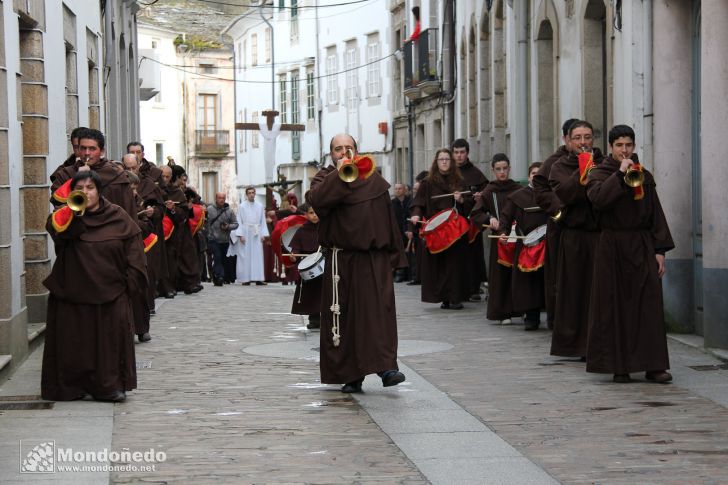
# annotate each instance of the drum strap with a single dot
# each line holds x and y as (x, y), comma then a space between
(335, 309)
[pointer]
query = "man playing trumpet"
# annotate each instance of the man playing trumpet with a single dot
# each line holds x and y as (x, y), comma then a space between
(626, 320)
(362, 245)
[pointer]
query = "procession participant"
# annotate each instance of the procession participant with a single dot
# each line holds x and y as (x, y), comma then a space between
(527, 278)
(487, 211)
(547, 200)
(150, 188)
(289, 207)
(417, 247)
(167, 279)
(149, 198)
(115, 183)
(248, 239)
(475, 182)
(442, 272)
(358, 230)
(75, 155)
(140, 303)
(184, 257)
(307, 298)
(197, 224)
(271, 265)
(579, 234)
(99, 267)
(626, 316)
(222, 221)
(401, 203)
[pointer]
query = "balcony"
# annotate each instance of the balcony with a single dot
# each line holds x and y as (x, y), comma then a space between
(420, 65)
(212, 142)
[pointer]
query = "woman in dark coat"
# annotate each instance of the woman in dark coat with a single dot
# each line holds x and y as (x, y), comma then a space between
(442, 273)
(89, 347)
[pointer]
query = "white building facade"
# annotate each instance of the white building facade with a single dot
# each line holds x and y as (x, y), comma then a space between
(329, 72)
(51, 81)
(509, 72)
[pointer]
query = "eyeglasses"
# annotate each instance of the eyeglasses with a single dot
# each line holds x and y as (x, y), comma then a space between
(582, 137)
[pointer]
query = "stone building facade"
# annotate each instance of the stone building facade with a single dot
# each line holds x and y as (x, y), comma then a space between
(51, 65)
(507, 73)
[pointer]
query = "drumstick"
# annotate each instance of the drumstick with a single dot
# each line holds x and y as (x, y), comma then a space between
(448, 195)
(296, 255)
(496, 236)
(533, 209)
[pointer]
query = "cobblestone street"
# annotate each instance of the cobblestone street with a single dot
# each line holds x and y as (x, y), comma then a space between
(229, 390)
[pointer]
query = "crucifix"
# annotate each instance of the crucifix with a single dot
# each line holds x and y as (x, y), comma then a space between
(270, 130)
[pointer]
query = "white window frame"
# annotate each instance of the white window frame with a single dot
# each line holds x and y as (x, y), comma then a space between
(332, 82)
(374, 81)
(352, 79)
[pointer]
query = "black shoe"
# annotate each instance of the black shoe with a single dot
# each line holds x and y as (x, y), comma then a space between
(247, 283)
(413, 283)
(118, 396)
(198, 289)
(217, 282)
(531, 325)
(445, 305)
(313, 323)
(353, 387)
(392, 378)
(152, 312)
(456, 306)
(476, 297)
(260, 283)
(169, 295)
(622, 378)
(144, 337)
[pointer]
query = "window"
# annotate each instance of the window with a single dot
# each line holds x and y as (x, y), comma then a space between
(284, 100)
(155, 43)
(245, 53)
(158, 97)
(159, 152)
(207, 112)
(241, 133)
(254, 133)
(332, 83)
(310, 100)
(294, 20)
(295, 114)
(254, 49)
(206, 68)
(267, 44)
(374, 85)
(350, 64)
(209, 186)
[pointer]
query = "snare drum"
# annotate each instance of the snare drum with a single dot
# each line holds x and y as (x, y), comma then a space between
(312, 266)
(533, 252)
(443, 230)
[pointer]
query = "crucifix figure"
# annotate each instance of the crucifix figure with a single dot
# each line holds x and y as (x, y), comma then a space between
(269, 130)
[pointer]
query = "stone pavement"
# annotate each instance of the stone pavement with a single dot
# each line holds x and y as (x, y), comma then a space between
(229, 391)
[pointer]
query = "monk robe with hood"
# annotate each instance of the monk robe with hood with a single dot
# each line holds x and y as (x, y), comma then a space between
(627, 321)
(357, 218)
(575, 265)
(89, 339)
(547, 200)
(500, 303)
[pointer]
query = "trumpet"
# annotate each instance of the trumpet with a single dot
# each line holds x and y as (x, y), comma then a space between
(634, 177)
(77, 201)
(353, 166)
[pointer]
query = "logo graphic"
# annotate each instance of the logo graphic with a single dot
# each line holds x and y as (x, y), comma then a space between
(40, 459)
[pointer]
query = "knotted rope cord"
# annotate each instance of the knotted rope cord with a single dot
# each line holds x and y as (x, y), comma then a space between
(335, 308)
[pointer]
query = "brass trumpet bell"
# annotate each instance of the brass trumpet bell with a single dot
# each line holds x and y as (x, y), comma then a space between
(349, 172)
(77, 201)
(634, 177)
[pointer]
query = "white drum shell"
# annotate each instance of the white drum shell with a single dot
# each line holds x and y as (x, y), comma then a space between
(312, 266)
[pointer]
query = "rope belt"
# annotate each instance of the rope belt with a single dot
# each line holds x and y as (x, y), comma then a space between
(335, 308)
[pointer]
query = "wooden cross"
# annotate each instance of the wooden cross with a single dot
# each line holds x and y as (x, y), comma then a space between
(270, 116)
